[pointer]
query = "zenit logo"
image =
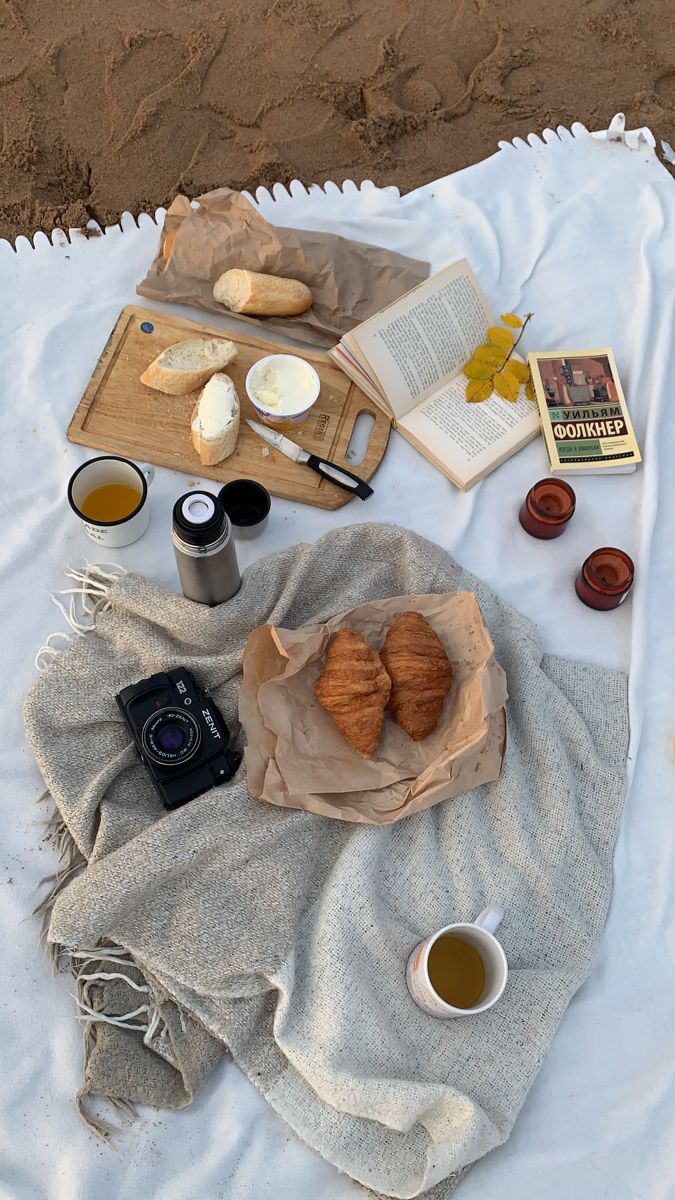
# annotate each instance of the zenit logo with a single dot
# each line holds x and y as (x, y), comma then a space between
(211, 723)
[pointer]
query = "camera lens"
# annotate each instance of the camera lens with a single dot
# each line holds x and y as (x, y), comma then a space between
(170, 737)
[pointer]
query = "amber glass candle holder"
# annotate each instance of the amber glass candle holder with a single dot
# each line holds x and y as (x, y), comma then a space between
(605, 579)
(547, 508)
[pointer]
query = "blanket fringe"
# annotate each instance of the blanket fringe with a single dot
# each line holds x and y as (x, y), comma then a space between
(86, 966)
(80, 612)
(70, 862)
(102, 1129)
(149, 1020)
(92, 967)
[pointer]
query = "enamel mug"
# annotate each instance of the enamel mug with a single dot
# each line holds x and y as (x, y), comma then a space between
(107, 469)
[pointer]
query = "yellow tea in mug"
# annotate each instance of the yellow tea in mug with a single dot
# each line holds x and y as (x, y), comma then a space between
(111, 502)
(456, 971)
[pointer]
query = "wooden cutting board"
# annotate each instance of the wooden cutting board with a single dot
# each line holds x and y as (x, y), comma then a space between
(120, 415)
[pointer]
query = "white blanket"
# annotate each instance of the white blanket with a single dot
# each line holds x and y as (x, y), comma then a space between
(580, 230)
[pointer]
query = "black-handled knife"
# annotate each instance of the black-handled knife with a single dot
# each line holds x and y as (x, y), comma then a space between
(340, 475)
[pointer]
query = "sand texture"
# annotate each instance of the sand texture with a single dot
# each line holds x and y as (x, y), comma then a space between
(116, 106)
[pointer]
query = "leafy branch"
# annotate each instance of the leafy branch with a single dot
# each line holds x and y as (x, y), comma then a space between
(491, 367)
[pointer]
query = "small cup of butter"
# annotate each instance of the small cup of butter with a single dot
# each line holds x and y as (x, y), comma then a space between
(282, 388)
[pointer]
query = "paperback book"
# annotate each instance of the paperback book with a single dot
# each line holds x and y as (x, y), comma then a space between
(584, 416)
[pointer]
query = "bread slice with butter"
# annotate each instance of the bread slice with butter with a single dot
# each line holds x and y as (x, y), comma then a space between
(215, 421)
(187, 365)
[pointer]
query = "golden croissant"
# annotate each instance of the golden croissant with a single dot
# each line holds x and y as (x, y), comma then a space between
(420, 674)
(354, 688)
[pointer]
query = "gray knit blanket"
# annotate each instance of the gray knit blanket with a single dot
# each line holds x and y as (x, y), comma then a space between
(282, 935)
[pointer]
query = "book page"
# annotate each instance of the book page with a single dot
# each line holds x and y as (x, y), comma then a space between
(471, 439)
(420, 341)
(357, 372)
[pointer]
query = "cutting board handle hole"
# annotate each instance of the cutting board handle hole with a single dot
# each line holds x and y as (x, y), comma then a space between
(358, 442)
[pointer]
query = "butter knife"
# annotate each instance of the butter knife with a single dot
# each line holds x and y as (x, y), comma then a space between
(340, 475)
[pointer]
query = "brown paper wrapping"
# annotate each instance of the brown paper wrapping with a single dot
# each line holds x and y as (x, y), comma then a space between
(297, 758)
(350, 281)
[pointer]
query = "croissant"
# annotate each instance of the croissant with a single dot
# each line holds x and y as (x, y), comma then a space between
(354, 688)
(420, 674)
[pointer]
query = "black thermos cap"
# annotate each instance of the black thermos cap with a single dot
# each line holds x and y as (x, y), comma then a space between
(198, 518)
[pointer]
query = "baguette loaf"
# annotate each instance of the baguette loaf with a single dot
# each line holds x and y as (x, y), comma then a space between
(187, 365)
(261, 295)
(215, 421)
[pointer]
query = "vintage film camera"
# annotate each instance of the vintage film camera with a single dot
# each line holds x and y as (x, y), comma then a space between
(180, 735)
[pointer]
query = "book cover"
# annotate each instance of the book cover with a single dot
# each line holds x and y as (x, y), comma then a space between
(583, 410)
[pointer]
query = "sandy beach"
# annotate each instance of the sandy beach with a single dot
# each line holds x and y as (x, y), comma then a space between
(119, 106)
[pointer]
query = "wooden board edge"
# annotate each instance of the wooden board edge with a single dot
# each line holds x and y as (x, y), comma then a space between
(381, 429)
(105, 362)
(311, 353)
(378, 441)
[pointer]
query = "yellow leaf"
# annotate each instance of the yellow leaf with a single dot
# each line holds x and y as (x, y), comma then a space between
(500, 337)
(529, 390)
(519, 369)
(478, 370)
(506, 385)
(489, 354)
(478, 389)
(511, 319)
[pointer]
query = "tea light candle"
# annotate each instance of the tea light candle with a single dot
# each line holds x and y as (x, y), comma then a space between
(605, 579)
(547, 508)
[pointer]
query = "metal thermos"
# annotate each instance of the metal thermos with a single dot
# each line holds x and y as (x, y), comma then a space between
(204, 548)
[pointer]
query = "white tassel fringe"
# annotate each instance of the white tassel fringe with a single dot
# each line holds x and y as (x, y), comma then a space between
(85, 602)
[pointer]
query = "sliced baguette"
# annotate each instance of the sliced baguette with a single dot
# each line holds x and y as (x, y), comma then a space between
(187, 365)
(215, 421)
(261, 295)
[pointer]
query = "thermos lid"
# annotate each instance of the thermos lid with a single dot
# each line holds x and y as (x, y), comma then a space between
(199, 518)
(198, 508)
(247, 504)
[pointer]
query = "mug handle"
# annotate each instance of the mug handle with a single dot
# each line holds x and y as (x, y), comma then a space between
(490, 918)
(148, 471)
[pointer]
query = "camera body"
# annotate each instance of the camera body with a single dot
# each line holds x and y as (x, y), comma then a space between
(180, 735)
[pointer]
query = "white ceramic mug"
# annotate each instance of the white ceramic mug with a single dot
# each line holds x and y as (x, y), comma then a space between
(480, 935)
(97, 472)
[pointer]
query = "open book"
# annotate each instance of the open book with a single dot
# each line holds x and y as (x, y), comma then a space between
(409, 358)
